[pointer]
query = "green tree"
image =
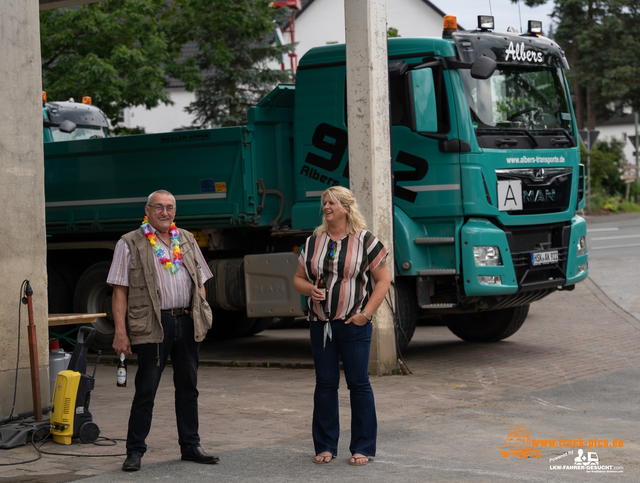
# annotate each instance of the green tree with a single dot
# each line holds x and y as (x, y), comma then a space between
(118, 52)
(607, 157)
(235, 55)
(123, 52)
(392, 33)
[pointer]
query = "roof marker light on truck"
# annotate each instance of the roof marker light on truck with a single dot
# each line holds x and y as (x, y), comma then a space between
(86, 100)
(534, 27)
(449, 25)
(485, 22)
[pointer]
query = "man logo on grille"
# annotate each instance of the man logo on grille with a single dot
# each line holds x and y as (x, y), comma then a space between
(538, 174)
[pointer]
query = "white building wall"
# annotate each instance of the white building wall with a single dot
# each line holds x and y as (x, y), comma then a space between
(621, 132)
(323, 22)
(164, 118)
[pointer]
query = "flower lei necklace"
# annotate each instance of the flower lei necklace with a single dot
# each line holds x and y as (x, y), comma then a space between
(157, 249)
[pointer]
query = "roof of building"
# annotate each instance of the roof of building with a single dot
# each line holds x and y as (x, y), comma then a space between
(622, 120)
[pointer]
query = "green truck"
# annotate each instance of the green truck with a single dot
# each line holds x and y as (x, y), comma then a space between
(487, 184)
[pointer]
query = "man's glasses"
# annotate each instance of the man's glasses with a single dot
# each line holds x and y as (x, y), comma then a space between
(332, 249)
(160, 208)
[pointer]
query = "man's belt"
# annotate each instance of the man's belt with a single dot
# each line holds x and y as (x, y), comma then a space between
(176, 312)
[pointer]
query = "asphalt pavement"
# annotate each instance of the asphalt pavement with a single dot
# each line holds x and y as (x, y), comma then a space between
(568, 377)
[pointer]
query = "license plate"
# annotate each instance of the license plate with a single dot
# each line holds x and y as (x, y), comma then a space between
(544, 258)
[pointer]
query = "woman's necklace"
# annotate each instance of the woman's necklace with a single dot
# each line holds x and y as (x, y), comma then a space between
(157, 249)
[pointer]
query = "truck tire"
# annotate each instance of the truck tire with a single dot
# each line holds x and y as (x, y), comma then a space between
(93, 295)
(406, 312)
(487, 326)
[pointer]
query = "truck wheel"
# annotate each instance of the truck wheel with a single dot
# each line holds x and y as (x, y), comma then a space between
(406, 312)
(487, 326)
(93, 295)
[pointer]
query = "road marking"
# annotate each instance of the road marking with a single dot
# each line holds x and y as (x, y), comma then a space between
(614, 246)
(602, 229)
(540, 401)
(615, 237)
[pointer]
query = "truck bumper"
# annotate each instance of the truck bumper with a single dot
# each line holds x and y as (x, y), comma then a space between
(577, 265)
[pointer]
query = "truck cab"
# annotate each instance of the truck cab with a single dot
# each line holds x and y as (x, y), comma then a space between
(70, 120)
(486, 164)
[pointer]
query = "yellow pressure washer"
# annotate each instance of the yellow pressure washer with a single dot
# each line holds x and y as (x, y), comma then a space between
(70, 416)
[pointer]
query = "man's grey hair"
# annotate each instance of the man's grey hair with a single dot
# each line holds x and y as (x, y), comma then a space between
(160, 192)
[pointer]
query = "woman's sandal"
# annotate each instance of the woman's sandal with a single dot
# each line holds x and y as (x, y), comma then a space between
(323, 460)
(354, 460)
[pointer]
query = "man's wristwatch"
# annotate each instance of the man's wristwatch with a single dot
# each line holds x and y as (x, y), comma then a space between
(367, 316)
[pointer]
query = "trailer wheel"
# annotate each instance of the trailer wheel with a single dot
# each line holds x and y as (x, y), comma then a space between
(487, 326)
(406, 312)
(93, 295)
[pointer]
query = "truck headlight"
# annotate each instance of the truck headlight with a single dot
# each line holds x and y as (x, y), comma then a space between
(487, 256)
(582, 245)
(490, 280)
(582, 268)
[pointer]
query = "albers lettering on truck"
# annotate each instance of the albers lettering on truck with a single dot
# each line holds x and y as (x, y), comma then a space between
(487, 183)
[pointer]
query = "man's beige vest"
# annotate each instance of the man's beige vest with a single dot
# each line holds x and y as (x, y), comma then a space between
(143, 308)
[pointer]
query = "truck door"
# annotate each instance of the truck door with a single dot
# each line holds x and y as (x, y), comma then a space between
(426, 164)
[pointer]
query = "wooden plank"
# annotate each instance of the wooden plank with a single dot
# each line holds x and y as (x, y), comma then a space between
(69, 319)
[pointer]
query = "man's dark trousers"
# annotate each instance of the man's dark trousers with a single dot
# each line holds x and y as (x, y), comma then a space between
(178, 343)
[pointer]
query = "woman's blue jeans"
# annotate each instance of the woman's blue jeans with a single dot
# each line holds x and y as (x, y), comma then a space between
(351, 343)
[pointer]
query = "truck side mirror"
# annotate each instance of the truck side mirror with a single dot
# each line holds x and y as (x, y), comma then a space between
(425, 111)
(483, 68)
(67, 126)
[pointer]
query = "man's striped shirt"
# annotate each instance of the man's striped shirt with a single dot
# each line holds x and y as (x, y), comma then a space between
(347, 274)
(175, 288)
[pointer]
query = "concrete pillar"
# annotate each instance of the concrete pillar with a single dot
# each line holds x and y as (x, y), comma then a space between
(370, 148)
(22, 199)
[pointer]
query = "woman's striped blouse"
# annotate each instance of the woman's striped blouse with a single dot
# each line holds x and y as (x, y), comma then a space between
(347, 273)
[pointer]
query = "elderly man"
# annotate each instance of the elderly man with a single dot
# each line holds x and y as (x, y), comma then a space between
(158, 275)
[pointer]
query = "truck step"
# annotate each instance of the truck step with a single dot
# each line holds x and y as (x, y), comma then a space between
(438, 271)
(435, 240)
(438, 306)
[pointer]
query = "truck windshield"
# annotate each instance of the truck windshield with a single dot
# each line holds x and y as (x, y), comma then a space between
(81, 132)
(518, 97)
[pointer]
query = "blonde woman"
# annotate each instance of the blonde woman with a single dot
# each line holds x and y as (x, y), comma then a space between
(352, 261)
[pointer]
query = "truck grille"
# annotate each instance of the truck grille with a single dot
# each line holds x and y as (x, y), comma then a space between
(544, 190)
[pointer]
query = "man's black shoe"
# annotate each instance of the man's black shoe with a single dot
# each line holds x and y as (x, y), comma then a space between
(198, 455)
(132, 463)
